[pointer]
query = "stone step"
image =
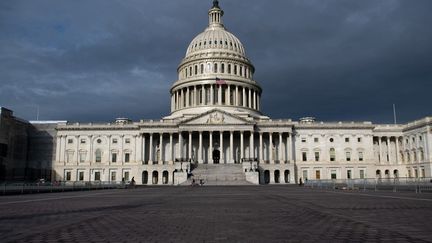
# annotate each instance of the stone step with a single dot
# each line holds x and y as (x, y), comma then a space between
(219, 174)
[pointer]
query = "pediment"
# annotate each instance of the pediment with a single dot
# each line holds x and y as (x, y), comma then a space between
(216, 117)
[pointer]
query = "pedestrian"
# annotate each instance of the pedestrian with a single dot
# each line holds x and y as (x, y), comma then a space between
(132, 183)
(300, 182)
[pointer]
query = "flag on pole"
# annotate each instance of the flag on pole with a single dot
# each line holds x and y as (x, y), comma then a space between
(220, 81)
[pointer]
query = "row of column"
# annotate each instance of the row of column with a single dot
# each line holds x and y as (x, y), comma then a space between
(283, 152)
(384, 145)
(215, 94)
(386, 157)
(138, 148)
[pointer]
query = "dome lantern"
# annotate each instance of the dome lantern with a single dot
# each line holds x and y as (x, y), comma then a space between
(215, 15)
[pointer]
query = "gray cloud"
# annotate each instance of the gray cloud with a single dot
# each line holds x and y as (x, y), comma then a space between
(97, 60)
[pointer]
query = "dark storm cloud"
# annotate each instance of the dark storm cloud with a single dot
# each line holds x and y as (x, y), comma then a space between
(97, 60)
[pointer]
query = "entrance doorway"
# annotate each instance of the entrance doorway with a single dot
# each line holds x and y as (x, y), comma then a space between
(216, 156)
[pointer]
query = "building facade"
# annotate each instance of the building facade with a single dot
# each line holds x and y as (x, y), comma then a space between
(216, 120)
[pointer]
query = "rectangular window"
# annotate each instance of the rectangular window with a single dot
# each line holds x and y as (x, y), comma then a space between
(317, 156)
(362, 174)
(423, 173)
(349, 174)
(70, 141)
(359, 140)
(316, 140)
(97, 176)
(303, 140)
(360, 154)
(346, 140)
(98, 156)
(127, 157)
(318, 175)
(69, 157)
(305, 175)
(68, 175)
(113, 176)
(126, 175)
(83, 141)
(348, 156)
(114, 157)
(82, 157)
(81, 176)
(127, 140)
(333, 174)
(304, 156)
(114, 140)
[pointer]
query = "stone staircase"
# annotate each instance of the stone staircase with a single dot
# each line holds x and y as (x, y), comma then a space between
(219, 174)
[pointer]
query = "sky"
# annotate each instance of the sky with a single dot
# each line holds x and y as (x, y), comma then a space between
(336, 60)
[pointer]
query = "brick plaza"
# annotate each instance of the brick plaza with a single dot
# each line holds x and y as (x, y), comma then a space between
(217, 214)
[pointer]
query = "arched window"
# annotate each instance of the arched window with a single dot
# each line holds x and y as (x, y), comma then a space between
(229, 68)
(215, 69)
(222, 68)
(196, 69)
(190, 71)
(332, 154)
(98, 155)
(235, 69)
(202, 69)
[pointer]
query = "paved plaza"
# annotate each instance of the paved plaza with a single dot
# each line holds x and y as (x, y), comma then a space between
(217, 214)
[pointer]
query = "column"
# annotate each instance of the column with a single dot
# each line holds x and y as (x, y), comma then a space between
(251, 145)
(176, 100)
(280, 148)
(210, 154)
(260, 147)
(143, 147)
(203, 98)
(187, 97)
(258, 102)
(160, 148)
(241, 146)
(220, 94)
(236, 96)
(200, 151)
(254, 100)
(244, 97)
(232, 147)
(250, 98)
(211, 95)
(150, 161)
(380, 150)
(289, 147)
(181, 99)
(190, 145)
(271, 148)
(228, 97)
(222, 154)
(195, 96)
(170, 154)
(397, 149)
(179, 152)
(139, 148)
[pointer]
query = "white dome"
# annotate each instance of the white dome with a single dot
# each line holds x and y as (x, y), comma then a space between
(215, 39)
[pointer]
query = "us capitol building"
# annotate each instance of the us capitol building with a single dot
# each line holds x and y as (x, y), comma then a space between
(217, 132)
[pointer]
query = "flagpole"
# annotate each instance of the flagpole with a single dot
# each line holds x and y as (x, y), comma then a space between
(394, 114)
